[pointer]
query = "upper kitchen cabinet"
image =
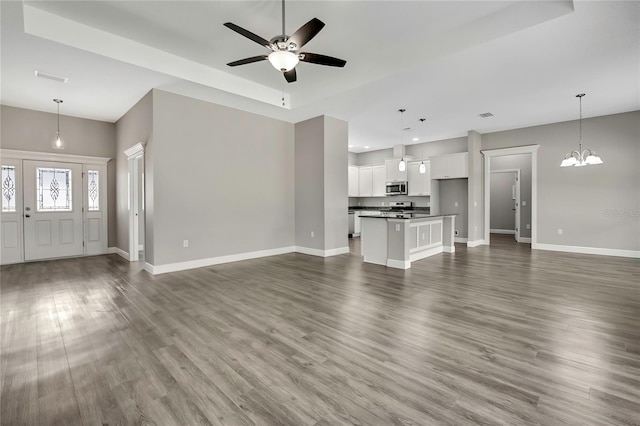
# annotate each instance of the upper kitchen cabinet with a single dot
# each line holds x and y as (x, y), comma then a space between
(371, 181)
(365, 181)
(393, 173)
(450, 166)
(419, 183)
(379, 181)
(353, 181)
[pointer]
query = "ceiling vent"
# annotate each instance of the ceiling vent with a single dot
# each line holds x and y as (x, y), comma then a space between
(51, 77)
(485, 115)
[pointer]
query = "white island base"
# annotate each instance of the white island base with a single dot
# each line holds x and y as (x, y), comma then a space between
(397, 241)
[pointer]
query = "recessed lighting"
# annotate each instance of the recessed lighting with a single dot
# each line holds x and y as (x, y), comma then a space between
(51, 77)
(485, 115)
(367, 147)
(416, 139)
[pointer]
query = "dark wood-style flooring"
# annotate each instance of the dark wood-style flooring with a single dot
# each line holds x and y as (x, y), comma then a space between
(492, 335)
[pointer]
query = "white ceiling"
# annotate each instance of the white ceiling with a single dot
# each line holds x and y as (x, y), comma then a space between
(446, 61)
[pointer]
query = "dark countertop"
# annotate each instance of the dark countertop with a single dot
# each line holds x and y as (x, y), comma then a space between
(398, 215)
(386, 208)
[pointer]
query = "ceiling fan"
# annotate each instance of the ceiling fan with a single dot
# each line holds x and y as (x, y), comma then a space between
(284, 49)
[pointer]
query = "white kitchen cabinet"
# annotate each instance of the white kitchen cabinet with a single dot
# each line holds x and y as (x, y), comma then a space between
(419, 183)
(393, 174)
(379, 181)
(365, 181)
(450, 166)
(353, 181)
(357, 223)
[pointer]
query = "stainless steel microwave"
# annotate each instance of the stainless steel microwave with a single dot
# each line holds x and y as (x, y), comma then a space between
(396, 188)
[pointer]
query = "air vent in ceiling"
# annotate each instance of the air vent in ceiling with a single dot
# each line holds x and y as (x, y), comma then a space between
(51, 77)
(485, 115)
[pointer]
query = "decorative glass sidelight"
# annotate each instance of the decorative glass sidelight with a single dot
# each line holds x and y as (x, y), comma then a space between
(8, 188)
(54, 189)
(93, 189)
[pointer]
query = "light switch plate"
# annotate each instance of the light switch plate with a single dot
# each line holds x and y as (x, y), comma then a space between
(524, 203)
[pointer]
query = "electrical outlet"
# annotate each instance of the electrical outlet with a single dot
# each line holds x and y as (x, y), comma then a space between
(313, 234)
(397, 227)
(475, 204)
(528, 226)
(185, 243)
(358, 202)
(559, 231)
(382, 203)
(524, 203)
(455, 204)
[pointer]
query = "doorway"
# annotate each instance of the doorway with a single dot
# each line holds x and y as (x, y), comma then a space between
(505, 204)
(135, 156)
(524, 158)
(53, 206)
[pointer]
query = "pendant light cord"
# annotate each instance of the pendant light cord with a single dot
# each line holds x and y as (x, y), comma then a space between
(58, 117)
(580, 122)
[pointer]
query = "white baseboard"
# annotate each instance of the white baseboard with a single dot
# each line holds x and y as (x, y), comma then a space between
(200, 263)
(587, 250)
(503, 231)
(119, 252)
(525, 240)
(460, 240)
(449, 249)
(398, 264)
(425, 253)
(321, 253)
(476, 243)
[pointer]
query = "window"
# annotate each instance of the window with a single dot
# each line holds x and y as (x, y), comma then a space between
(8, 189)
(54, 189)
(93, 188)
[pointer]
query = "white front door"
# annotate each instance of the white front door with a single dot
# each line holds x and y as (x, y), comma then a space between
(52, 210)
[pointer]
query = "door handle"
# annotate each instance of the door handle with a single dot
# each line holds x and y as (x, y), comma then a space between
(27, 215)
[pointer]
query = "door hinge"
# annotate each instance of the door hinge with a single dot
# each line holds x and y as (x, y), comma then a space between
(82, 174)
(83, 244)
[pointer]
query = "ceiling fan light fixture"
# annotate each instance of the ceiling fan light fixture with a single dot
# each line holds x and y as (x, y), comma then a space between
(283, 60)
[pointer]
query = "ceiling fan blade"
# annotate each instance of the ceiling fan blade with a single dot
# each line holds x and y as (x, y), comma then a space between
(247, 60)
(248, 34)
(316, 58)
(290, 75)
(306, 32)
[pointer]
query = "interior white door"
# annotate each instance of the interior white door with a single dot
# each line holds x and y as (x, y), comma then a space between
(516, 210)
(11, 216)
(52, 210)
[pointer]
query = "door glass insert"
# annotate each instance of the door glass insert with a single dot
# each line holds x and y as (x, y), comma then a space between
(93, 189)
(53, 186)
(8, 188)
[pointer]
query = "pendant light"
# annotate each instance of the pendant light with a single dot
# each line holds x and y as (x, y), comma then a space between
(581, 158)
(423, 167)
(58, 143)
(402, 165)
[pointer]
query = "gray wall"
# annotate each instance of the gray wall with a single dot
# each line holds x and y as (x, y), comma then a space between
(321, 183)
(476, 187)
(29, 130)
(522, 162)
(223, 179)
(502, 203)
(452, 191)
(133, 127)
(336, 227)
(309, 188)
(595, 206)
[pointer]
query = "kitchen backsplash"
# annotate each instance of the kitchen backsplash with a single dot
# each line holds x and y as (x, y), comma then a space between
(384, 201)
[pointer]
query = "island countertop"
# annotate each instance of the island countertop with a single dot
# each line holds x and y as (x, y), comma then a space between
(405, 216)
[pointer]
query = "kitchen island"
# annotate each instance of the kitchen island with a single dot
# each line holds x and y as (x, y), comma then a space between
(397, 239)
